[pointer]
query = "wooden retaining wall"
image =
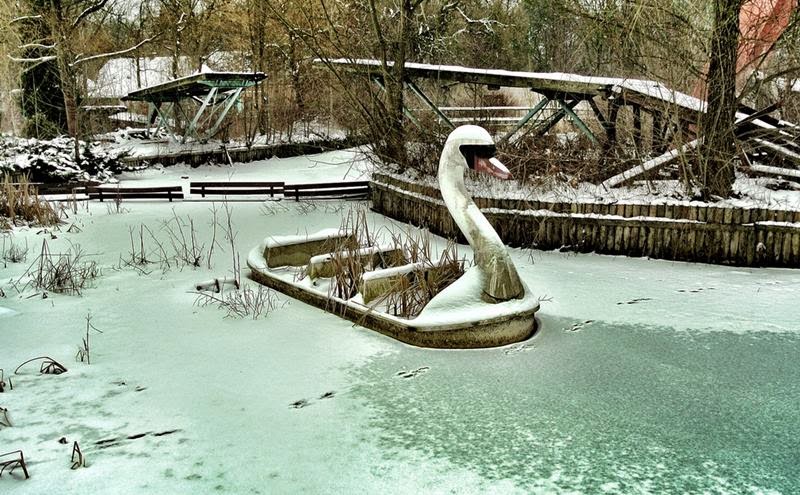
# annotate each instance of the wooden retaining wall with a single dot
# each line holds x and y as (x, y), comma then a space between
(241, 155)
(709, 234)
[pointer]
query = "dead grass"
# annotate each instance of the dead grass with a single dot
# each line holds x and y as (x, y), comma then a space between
(410, 294)
(66, 273)
(242, 303)
(12, 252)
(20, 204)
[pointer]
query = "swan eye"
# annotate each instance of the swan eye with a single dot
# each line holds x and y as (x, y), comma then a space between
(473, 151)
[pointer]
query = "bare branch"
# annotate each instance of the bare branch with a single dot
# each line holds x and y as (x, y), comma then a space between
(89, 11)
(37, 45)
(32, 60)
(24, 18)
(486, 23)
(80, 60)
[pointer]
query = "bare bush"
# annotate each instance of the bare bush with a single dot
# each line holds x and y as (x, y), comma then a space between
(242, 303)
(14, 253)
(182, 237)
(66, 273)
(146, 249)
(84, 350)
(78, 460)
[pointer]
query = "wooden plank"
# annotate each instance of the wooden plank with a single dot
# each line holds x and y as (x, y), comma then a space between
(652, 164)
(232, 192)
(106, 190)
(795, 261)
(539, 82)
(234, 184)
(327, 185)
(162, 192)
(114, 196)
(327, 192)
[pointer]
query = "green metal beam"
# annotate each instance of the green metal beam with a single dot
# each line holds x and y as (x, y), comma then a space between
(406, 111)
(231, 101)
(554, 119)
(578, 122)
(524, 120)
(430, 104)
(211, 96)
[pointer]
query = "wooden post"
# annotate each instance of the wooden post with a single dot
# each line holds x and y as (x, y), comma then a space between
(637, 128)
(611, 129)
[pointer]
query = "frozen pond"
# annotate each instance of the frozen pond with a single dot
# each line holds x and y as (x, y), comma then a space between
(645, 377)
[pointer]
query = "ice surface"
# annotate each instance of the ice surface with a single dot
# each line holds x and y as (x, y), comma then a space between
(646, 377)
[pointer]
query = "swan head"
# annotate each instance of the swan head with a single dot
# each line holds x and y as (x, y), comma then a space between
(471, 147)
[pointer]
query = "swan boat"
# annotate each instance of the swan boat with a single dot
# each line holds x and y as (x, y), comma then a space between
(488, 306)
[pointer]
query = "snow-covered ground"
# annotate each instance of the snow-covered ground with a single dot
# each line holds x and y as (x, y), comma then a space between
(343, 165)
(645, 377)
(120, 141)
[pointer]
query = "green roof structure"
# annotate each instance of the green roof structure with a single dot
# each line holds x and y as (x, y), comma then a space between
(214, 93)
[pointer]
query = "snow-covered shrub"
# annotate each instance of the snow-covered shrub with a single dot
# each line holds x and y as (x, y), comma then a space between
(54, 160)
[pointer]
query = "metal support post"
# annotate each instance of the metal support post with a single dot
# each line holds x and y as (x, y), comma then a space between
(578, 122)
(524, 120)
(430, 104)
(231, 102)
(211, 96)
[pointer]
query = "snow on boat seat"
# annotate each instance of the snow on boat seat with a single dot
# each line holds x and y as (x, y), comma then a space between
(297, 250)
(376, 283)
(324, 265)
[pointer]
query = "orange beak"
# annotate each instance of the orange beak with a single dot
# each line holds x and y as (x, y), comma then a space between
(492, 166)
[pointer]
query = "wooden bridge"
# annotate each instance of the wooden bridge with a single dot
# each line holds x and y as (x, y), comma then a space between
(674, 114)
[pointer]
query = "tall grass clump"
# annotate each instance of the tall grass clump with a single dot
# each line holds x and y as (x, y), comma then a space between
(64, 273)
(20, 204)
(409, 295)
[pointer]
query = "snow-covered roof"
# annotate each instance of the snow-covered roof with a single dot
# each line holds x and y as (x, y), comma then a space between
(548, 81)
(118, 76)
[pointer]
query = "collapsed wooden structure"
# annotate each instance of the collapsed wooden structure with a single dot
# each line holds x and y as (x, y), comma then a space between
(674, 115)
(212, 93)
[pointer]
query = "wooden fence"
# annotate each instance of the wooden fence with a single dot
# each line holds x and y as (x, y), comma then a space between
(710, 234)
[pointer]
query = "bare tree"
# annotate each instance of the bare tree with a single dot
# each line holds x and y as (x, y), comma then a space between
(9, 71)
(67, 30)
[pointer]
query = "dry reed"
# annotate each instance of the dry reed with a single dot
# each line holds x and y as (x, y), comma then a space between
(20, 204)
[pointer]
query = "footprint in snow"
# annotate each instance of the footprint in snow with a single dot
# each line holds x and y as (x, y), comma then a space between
(299, 404)
(413, 373)
(637, 300)
(579, 326)
(515, 349)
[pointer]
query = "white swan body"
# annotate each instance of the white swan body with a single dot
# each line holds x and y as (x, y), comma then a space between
(500, 279)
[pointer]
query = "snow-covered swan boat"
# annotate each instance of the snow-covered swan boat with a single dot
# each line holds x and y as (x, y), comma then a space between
(487, 306)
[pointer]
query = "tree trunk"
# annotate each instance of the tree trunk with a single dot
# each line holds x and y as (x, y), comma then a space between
(69, 88)
(718, 153)
(396, 138)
